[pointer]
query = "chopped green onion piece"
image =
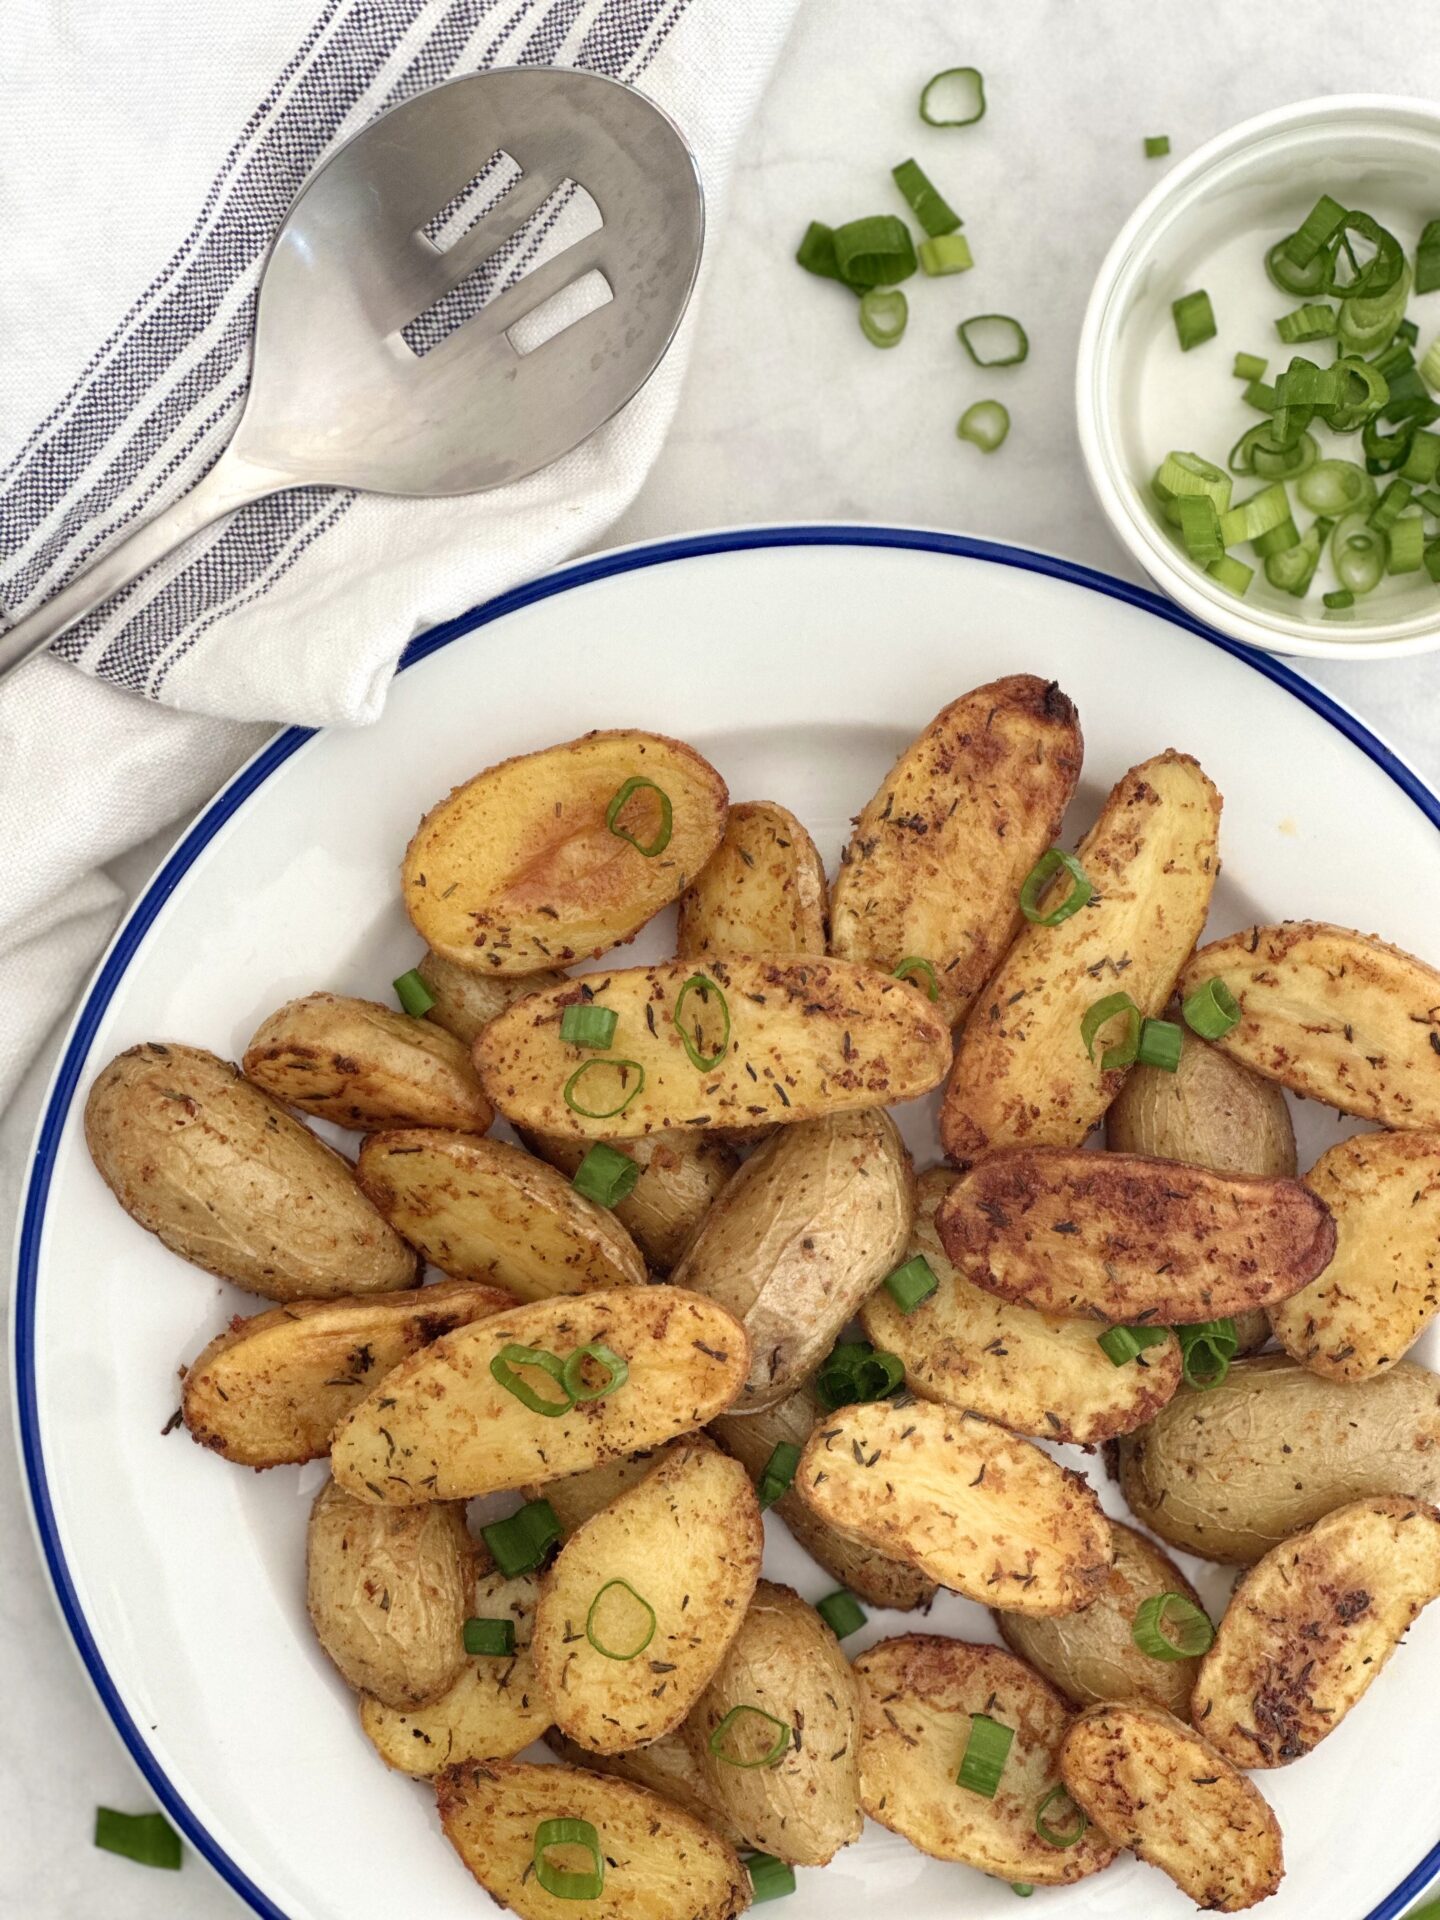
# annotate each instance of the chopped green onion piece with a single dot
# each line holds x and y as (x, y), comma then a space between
(538, 1360)
(584, 1025)
(1364, 390)
(816, 252)
(1358, 553)
(1277, 539)
(1072, 1833)
(1256, 452)
(1427, 258)
(966, 82)
(1168, 1626)
(1185, 473)
(1391, 504)
(779, 1473)
(146, 1838)
(856, 1372)
(930, 208)
(1407, 545)
(1396, 358)
(1430, 364)
(1206, 1352)
(911, 1283)
(1385, 452)
(884, 315)
(1120, 1345)
(605, 1175)
(1157, 145)
(1422, 462)
(1336, 487)
(693, 1042)
(1430, 501)
(1410, 400)
(841, 1612)
(1211, 1010)
(413, 994)
(492, 1638)
(566, 1883)
(1293, 568)
(1319, 227)
(643, 1634)
(1255, 516)
(1040, 876)
(520, 1543)
(1306, 323)
(1098, 1016)
(985, 425)
(1022, 1887)
(1249, 366)
(986, 1751)
(1407, 329)
(874, 252)
(1232, 574)
(638, 784)
(622, 1069)
(1303, 384)
(998, 340)
(1194, 319)
(1259, 394)
(1160, 1042)
(1200, 527)
(912, 963)
(1379, 273)
(947, 253)
(576, 1380)
(738, 1716)
(770, 1879)
(1299, 281)
(1342, 598)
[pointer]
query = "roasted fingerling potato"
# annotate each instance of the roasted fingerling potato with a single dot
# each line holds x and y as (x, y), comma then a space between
(578, 1497)
(466, 1001)
(681, 1176)
(1210, 1112)
(667, 1767)
(761, 891)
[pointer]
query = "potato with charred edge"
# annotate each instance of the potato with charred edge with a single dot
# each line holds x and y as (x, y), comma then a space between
(784, 1689)
(970, 1505)
(1159, 1789)
(483, 1210)
(919, 1697)
(1210, 1112)
(811, 1223)
(1092, 1655)
(1382, 1289)
(447, 1425)
(935, 865)
(564, 853)
(656, 1860)
(1033, 1372)
(1231, 1472)
(1022, 1075)
(761, 891)
(1310, 1627)
(642, 1601)
(666, 1767)
(681, 1176)
(222, 1175)
(1128, 1239)
(466, 1001)
(270, 1390)
(741, 1042)
(1334, 1015)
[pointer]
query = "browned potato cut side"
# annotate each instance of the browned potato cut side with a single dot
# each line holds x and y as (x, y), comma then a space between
(666, 1767)
(935, 864)
(1211, 1112)
(466, 1001)
(681, 1176)
(761, 891)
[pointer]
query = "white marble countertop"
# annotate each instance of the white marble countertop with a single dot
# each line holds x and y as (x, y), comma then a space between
(789, 415)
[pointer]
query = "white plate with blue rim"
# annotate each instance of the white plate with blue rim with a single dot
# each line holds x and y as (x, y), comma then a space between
(799, 660)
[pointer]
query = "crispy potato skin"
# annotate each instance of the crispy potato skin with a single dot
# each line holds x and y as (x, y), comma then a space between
(688, 1540)
(484, 1210)
(1211, 1112)
(972, 1506)
(681, 1177)
(1382, 1289)
(222, 1175)
(666, 1767)
(812, 1222)
(872, 1577)
(786, 1661)
(1156, 1787)
(918, 1694)
(808, 1038)
(937, 859)
(1033, 1372)
(761, 891)
(1124, 1238)
(1021, 1076)
(466, 1001)
(1231, 1472)
(1335, 1015)
(1092, 1656)
(441, 1427)
(659, 1860)
(517, 869)
(387, 1591)
(1312, 1625)
(269, 1391)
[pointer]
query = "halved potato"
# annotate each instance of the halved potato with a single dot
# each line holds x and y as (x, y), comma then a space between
(642, 1601)
(482, 1210)
(1129, 1239)
(1338, 1016)
(667, 1767)
(1021, 1073)
(658, 1861)
(972, 1506)
(1310, 1627)
(1382, 1289)
(761, 891)
(812, 1222)
(935, 865)
(365, 1066)
(270, 1390)
(466, 1001)
(578, 1497)
(681, 1176)
(1033, 1372)
(443, 1427)
(805, 1038)
(521, 867)
(1159, 1789)
(1211, 1112)
(919, 1696)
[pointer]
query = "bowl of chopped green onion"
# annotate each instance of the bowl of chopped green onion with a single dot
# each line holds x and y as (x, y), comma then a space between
(1258, 383)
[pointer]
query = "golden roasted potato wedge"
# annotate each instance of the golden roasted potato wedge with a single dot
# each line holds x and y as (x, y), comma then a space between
(1312, 1624)
(492, 1712)
(681, 1175)
(466, 1001)
(225, 1177)
(1231, 1472)
(387, 1593)
(1382, 1289)
(784, 1677)
(810, 1225)
(642, 1601)
(919, 1694)
(1129, 1239)
(578, 1497)
(1211, 1112)
(443, 1427)
(1156, 1787)
(1021, 1075)
(805, 1038)
(761, 891)
(667, 1767)
(532, 864)
(935, 865)
(269, 1391)
(1033, 1372)
(972, 1506)
(658, 1861)
(482, 1210)
(1092, 1655)
(1338, 1016)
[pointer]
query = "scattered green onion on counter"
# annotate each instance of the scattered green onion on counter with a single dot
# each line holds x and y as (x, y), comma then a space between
(1157, 145)
(947, 253)
(929, 206)
(994, 340)
(985, 425)
(954, 97)
(884, 314)
(146, 1838)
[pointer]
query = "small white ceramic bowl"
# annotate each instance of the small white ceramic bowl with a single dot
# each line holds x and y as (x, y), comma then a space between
(1208, 223)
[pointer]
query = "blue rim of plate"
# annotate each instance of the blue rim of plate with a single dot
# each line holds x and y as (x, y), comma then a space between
(257, 771)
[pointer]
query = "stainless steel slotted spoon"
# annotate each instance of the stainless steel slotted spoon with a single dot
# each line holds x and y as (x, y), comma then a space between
(340, 397)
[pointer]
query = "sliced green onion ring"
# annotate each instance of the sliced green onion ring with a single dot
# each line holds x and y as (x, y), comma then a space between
(1358, 553)
(994, 340)
(414, 996)
(1121, 1345)
(1256, 452)
(1099, 1015)
(1169, 1626)
(539, 1360)
(593, 1631)
(623, 1068)
(1335, 487)
(493, 1639)
(1406, 546)
(1232, 574)
(1259, 514)
(876, 251)
(911, 1283)
(567, 1883)
(1038, 879)
(884, 315)
(1320, 227)
(740, 1716)
(946, 253)
(605, 1175)
(1073, 1831)
(984, 425)
(1194, 319)
(1299, 282)
(146, 1838)
(637, 783)
(1183, 473)
(986, 1751)
(1200, 527)
(1206, 1351)
(929, 207)
(1379, 273)
(968, 83)
(1211, 1010)
(574, 1377)
(1160, 1044)
(702, 985)
(585, 1025)
(1313, 321)
(779, 1473)
(1293, 569)
(912, 963)
(841, 1612)
(1391, 504)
